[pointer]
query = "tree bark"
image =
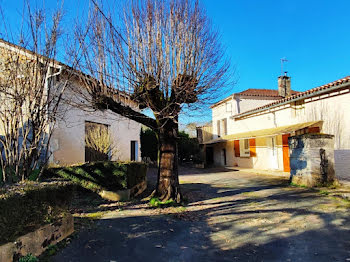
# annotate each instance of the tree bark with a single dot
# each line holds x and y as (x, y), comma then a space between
(168, 180)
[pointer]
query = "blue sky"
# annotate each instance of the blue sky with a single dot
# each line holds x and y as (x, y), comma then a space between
(313, 35)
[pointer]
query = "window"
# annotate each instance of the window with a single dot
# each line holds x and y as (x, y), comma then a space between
(244, 148)
(224, 125)
(133, 151)
(218, 127)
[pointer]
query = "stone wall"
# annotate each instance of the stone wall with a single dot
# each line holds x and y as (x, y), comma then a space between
(342, 164)
(37, 242)
(312, 159)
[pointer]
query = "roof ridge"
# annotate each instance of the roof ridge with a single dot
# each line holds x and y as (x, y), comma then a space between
(300, 94)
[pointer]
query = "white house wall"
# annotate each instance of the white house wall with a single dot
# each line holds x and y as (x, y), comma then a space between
(333, 109)
(230, 108)
(68, 139)
(250, 102)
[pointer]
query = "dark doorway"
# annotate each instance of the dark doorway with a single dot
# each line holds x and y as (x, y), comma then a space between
(224, 156)
(209, 156)
(133, 150)
(95, 135)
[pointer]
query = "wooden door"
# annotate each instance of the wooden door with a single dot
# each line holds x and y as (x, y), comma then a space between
(95, 140)
(286, 163)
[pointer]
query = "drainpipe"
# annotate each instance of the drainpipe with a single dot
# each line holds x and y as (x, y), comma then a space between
(46, 87)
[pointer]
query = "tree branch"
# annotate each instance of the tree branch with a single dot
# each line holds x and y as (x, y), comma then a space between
(107, 102)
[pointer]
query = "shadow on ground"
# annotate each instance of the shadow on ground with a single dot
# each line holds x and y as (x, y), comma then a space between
(246, 219)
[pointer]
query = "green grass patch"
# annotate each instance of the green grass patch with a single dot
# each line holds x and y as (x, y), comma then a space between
(28, 258)
(52, 250)
(155, 202)
(95, 215)
(324, 192)
(180, 209)
(296, 185)
(251, 194)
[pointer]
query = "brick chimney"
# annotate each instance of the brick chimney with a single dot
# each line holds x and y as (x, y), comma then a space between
(284, 85)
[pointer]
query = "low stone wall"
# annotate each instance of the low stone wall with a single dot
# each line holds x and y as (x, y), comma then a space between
(36, 242)
(124, 195)
(312, 159)
(342, 162)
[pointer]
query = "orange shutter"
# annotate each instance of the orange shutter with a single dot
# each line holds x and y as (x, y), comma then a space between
(236, 144)
(286, 163)
(252, 147)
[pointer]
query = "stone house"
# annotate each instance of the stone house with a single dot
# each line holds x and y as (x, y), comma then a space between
(68, 140)
(252, 131)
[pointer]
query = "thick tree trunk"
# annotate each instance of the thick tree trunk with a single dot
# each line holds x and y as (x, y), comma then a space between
(168, 180)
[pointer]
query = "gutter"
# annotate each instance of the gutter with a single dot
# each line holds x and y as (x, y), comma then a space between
(320, 92)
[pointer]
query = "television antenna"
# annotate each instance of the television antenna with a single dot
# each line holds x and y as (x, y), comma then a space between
(283, 60)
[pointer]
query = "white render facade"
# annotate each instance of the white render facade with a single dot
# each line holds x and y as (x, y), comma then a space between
(263, 132)
(67, 144)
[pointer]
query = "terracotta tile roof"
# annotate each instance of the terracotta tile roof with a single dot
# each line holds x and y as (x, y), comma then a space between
(300, 95)
(263, 92)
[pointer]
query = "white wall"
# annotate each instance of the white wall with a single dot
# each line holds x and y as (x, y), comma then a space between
(250, 102)
(333, 109)
(233, 107)
(68, 139)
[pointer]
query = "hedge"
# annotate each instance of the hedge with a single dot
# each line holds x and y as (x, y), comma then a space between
(25, 207)
(106, 175)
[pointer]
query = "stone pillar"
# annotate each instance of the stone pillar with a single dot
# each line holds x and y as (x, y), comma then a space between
(312, 159)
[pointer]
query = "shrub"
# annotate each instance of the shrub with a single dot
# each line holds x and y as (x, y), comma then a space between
(25, 207)
(98, 176)
(28, 258)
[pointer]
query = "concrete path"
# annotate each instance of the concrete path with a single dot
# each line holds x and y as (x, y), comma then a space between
(231, 216)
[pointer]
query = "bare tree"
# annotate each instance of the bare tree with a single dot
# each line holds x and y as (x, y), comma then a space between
(29, 94)
(164, 55)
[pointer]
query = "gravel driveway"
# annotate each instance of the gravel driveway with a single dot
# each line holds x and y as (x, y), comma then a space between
(231, 216)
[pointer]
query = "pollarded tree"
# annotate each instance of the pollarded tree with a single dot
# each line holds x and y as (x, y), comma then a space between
(163, 55)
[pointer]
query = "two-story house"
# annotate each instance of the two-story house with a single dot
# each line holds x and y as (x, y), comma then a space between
(256, 135)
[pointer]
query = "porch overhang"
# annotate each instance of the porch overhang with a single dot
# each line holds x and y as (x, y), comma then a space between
(266, 132)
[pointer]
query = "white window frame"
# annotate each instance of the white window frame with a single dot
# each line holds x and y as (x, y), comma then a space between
(228, 106)
(244, 148)
(218, 127)
(223, 128)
